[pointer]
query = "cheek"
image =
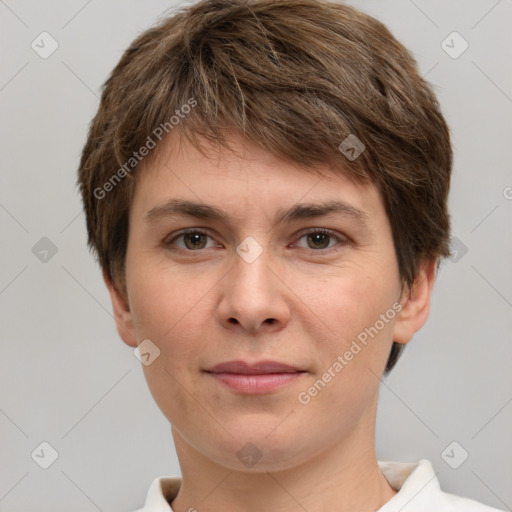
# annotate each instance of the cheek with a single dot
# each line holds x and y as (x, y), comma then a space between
(171, 312)
(345, 317)
(163, 301)
(349, 302)
(352, 352)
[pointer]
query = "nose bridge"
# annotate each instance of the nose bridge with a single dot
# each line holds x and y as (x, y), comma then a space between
(254, 295)
(253, 267)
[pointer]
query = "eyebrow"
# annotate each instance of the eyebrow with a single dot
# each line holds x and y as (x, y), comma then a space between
(301, 211)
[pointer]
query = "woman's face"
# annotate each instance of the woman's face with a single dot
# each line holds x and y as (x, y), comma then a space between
(253, 263)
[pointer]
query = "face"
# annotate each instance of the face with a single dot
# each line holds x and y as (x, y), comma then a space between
(273, 296)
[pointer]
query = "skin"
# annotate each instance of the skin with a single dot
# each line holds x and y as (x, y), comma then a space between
(302, 302)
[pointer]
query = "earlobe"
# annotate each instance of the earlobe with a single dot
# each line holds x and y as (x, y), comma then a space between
(122, 313)
(415, 303)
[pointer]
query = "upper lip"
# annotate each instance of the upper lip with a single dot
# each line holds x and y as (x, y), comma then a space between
(257, 368)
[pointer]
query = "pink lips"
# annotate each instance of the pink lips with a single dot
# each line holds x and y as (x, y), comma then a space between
(256, 378)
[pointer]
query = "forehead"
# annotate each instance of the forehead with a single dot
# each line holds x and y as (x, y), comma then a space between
(245, 177)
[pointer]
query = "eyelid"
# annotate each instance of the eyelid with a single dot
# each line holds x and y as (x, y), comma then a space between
(169, 239)
(341, 238)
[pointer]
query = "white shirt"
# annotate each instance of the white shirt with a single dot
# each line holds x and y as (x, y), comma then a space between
(417, 485)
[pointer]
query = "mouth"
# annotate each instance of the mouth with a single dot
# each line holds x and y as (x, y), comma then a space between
(257, 378)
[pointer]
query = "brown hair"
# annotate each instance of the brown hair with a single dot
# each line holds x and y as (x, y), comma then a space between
(296, 77)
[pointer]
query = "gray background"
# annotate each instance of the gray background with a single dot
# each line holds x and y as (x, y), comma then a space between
(67, 379)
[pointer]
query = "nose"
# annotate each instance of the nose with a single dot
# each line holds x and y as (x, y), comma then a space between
(253, 296)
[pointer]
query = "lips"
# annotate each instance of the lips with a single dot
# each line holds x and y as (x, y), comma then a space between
(257, 378)
(258, 368)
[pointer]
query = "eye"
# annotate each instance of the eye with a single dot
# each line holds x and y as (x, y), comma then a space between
(318, 239)
(191, 240)
(197, 239)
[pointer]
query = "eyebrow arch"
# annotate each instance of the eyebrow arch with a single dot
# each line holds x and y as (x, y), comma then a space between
(185, 207)
(296, 212)
(311, 210)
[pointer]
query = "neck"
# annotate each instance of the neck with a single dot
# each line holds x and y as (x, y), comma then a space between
(346, 477)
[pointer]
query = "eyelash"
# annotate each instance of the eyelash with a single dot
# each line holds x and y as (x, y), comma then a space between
(341, 240)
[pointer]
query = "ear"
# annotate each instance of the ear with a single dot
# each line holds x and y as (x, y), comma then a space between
(415, 303)
(122, 313)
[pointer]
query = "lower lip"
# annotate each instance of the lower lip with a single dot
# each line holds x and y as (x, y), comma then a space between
(256, 384)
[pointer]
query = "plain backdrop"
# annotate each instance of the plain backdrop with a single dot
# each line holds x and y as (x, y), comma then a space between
(67, 379)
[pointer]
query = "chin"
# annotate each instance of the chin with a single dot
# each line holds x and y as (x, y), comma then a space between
(257, 451)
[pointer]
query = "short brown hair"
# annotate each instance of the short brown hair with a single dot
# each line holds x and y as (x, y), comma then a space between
(295, 77)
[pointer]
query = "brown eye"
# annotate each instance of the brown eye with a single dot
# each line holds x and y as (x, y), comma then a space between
(321, 239)
(192, 240)
(318, 240)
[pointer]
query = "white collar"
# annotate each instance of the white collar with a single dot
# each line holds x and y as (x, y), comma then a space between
(417, 485)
